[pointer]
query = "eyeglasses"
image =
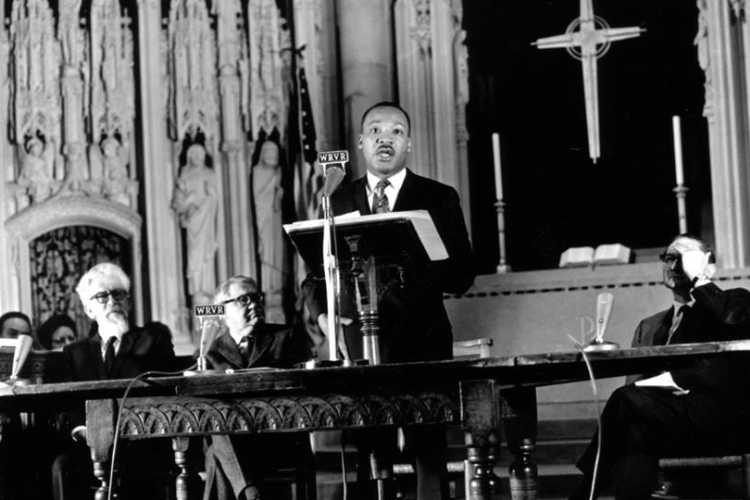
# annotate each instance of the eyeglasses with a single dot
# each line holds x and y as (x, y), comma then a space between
(117, 295)
(669, 258)
(248, 298)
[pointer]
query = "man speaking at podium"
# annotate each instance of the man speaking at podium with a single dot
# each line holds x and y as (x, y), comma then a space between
(413, 323)
(412, 320)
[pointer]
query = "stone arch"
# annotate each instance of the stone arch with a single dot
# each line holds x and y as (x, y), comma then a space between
(72, 211)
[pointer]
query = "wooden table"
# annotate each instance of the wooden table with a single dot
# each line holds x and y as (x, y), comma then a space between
(480, 395)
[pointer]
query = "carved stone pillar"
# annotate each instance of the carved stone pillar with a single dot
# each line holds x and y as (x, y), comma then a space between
(235, 176)
(73, 133)
(366, 69)
(720, 26)
(8, 276)
(167, 297)
(433, 87)
(312, 22)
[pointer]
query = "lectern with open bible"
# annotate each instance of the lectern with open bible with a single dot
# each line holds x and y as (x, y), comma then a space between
(364, 245)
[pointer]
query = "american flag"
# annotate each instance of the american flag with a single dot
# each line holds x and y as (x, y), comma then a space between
(308, 180)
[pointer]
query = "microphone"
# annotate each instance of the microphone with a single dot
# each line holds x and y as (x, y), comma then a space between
(603, 310)
(334, 169)
(21, 352)
(207, 315)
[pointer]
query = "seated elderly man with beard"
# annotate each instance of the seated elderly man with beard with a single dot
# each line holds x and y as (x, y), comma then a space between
(119, 350)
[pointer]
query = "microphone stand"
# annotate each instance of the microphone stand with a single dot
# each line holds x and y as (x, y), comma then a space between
(603, 310)
(201, 364)
(331, 269)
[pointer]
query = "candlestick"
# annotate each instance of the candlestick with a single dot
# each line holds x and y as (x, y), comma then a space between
(502, 266)
(681, 194)
(496, 161)
(677, 133)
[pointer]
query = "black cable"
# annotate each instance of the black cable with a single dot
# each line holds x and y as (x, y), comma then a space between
(119, 418)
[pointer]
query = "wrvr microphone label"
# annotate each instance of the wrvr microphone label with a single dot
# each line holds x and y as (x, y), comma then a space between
(333, 157)
(212, 310)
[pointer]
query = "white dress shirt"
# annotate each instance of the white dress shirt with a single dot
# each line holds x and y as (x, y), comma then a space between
(391, 191)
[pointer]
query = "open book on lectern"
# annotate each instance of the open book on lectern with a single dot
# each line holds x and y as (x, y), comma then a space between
(393, 238)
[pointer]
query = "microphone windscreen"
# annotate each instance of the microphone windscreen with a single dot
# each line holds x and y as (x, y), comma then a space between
(209, 329)
(334, 176)
(21, 353)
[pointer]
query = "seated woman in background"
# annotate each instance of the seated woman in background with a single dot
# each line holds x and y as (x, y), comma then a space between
(57, 332)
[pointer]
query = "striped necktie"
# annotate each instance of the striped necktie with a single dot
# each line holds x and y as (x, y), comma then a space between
(379, 198)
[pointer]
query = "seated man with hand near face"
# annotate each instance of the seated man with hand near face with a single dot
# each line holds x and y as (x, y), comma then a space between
(235, 465)
(702, 408)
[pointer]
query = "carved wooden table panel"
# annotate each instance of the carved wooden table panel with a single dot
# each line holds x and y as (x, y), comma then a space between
(480, 395)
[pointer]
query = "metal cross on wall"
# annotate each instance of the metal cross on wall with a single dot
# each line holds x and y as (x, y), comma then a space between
(588, 38)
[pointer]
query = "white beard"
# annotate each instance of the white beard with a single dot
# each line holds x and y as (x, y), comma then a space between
(115, 324)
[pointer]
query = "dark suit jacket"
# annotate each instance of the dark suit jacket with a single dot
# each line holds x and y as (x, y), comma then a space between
(276, 346)
(716, 315)
(413, 322)
(141, 350)
(232, 462)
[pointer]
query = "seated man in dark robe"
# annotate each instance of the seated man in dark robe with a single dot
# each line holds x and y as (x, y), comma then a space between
(235, 465)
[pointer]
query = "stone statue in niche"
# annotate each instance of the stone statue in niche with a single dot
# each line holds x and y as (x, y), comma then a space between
(196, 202)
(35, 101)
(37, 169)
(109, 167)
(267, 196)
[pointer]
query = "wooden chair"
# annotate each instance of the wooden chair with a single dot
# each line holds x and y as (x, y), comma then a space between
(692, 464)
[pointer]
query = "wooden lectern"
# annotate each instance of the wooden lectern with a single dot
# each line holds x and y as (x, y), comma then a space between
(366, 243)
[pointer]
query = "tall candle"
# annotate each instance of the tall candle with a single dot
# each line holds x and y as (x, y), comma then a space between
(496, 160)
(677, 150)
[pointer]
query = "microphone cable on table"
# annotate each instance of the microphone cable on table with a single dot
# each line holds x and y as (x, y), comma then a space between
(595, 392)
(119, 418)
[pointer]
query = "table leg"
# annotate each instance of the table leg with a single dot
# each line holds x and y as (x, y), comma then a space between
(182, 482)
(519, 422)
(101, 472)
(484, 483)
(101, 419)
(480, 415)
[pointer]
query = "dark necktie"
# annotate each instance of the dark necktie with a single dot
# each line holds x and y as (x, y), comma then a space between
(379, 199)
(245, 347)
(676, 321)
(109, 354)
